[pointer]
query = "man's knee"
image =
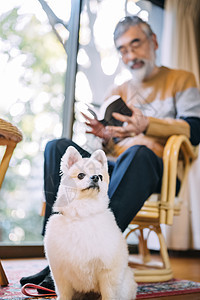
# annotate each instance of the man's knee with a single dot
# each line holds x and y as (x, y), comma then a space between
(142, 158)
(139, 152)
(144, 153)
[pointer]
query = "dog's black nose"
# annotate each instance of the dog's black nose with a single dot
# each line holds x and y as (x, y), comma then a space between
(94, 178)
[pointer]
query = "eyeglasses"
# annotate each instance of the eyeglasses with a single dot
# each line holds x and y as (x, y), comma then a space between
(134, 46)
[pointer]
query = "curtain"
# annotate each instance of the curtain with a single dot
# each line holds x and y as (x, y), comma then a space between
(180, 49)
(181, 36)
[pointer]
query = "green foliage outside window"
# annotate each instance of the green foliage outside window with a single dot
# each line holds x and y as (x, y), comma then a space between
(32, 95)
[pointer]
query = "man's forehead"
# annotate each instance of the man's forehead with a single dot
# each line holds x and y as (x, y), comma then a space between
(134, 32)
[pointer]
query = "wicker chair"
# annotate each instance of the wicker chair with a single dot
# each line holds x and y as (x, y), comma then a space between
(9, 137)
(160, 209)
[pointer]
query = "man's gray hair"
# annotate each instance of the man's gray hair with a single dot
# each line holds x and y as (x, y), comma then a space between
(130, 21)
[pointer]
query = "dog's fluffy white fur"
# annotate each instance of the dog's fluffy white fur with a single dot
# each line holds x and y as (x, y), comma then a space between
(85, 249)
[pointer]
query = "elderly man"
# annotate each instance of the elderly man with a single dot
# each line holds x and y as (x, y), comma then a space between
(163, 102)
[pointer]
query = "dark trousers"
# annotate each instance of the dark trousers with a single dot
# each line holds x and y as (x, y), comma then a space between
(135, 175)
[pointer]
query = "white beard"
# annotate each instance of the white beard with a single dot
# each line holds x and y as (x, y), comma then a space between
(139, 75)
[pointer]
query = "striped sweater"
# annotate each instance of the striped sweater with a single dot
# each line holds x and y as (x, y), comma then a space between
(170, 100)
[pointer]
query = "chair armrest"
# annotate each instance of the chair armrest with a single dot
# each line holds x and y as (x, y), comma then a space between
(10, 135)
(10, 132)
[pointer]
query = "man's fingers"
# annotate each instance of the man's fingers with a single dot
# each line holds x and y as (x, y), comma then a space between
(134, 109)
(86, 117)
(90, 132)
(120, 117)
(88, 124)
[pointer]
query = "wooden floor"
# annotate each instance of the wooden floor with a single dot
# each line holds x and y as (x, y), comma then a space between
(187, 268)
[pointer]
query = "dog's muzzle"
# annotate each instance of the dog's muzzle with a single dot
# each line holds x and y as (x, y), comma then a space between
(93, 183)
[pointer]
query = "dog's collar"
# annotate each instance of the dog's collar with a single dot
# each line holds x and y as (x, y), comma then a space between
(56, 213)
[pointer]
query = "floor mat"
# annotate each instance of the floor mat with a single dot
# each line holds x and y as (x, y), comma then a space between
(15, 269)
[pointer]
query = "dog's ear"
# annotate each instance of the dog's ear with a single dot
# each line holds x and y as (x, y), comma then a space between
(70, 157)
(100, 156)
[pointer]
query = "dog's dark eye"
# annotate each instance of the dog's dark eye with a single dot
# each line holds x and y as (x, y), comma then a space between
(81, 175)
(101, 177)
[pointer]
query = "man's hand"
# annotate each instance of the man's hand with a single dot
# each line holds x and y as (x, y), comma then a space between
(98, 129)
(136, 124)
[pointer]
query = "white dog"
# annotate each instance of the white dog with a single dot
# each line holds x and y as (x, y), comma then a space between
(85, 249)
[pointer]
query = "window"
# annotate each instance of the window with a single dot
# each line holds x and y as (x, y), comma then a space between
(33, 65)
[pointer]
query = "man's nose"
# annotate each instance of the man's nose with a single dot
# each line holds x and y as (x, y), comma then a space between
(130, 55)
(94, 178)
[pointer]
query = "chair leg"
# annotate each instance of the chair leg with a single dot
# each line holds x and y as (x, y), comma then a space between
(163, 249)
(151, 271)
(3, 277)
(143, 250)
(5, 161)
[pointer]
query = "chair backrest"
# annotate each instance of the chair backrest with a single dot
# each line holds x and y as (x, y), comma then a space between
(178, 147)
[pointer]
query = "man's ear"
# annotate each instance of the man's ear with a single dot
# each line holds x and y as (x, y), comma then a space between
(70, 157)
(155, 42)
(100, 156)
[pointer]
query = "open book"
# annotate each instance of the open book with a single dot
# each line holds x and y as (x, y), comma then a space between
(112, 104)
